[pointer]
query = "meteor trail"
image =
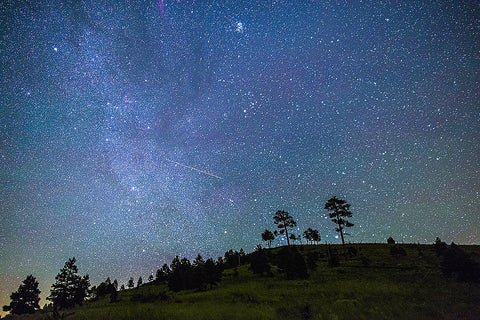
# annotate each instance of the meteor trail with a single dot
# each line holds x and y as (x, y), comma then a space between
(192, 168)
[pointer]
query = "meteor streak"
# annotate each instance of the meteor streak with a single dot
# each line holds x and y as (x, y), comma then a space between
(195, 169)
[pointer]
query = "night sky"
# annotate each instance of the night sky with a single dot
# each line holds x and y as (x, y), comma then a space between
(134, 131)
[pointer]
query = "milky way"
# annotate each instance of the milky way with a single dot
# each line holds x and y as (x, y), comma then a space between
(135, 131)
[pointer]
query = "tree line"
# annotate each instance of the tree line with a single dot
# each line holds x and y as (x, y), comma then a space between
(72, 289)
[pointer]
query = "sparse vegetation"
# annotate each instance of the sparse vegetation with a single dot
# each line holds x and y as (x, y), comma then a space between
(371, 285)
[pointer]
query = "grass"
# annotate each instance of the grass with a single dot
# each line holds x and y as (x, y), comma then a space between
(386, 287)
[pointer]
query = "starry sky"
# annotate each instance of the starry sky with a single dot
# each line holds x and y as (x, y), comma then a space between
(133, 131)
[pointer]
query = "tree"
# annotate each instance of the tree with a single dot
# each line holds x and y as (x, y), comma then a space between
(259, 262)
(293, 237)
(69, 288)
(162, 274)
(139, 282)
(283, 220)
(307, 234)
(291, 262)
(390, 241)
(339, 209)
(105, 288)
(26, 298)
(268, 237)
(115, 284)
(150, 278)
(316, 236)
(122, 287)
(181, 275)
(130, 283)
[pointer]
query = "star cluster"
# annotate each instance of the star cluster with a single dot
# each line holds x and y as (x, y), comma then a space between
(136, 131)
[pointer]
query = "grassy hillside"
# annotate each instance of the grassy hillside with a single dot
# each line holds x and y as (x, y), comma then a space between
(371, 284)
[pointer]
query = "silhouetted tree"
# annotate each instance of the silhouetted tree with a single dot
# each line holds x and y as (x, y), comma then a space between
(122, 287)
(312, 235)
(291, 262)
(26, 298)
(259, 262)
(232, 259)
(316, 236)
(268, 237)
(139, 282)
(115, 284)
(205, 273)
(390, 241)
(69, 288)
(212, 273)
(181, 275)
(439, 246)
(162, 274)
(114, 296)
(241, 256)
(293, 237)
(130, 283)
(339, 209)
(283, 220)
(150, 278)
(105, 288)
(307, 234)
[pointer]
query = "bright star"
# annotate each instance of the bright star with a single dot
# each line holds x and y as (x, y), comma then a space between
(239, 27)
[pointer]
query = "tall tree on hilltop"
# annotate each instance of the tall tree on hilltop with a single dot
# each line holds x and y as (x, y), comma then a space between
(130, 283)
(283, 220)
(316, 236)
(339, 209)
(69, 288)
(307, 234)
(26, 298)
(268, 237)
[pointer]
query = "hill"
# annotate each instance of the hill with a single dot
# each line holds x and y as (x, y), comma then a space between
(374, 281)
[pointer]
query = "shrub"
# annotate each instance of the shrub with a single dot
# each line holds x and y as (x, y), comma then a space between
(291, 262)
(390, 241)
(259, 262)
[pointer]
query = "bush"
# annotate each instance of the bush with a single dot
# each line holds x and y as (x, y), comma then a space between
(390, 241)
(259, 262)
(291, 262)
(440, 246)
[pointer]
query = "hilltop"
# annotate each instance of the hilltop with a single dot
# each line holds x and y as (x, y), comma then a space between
(373, 281)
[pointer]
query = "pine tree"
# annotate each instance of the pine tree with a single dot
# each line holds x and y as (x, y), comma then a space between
(26, 298)
(139, 282)
(283, 220)
(268, 237)
(339, 209)
(69, 288)
(130, 283)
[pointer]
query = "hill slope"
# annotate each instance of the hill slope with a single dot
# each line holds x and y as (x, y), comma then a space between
(369, 284)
